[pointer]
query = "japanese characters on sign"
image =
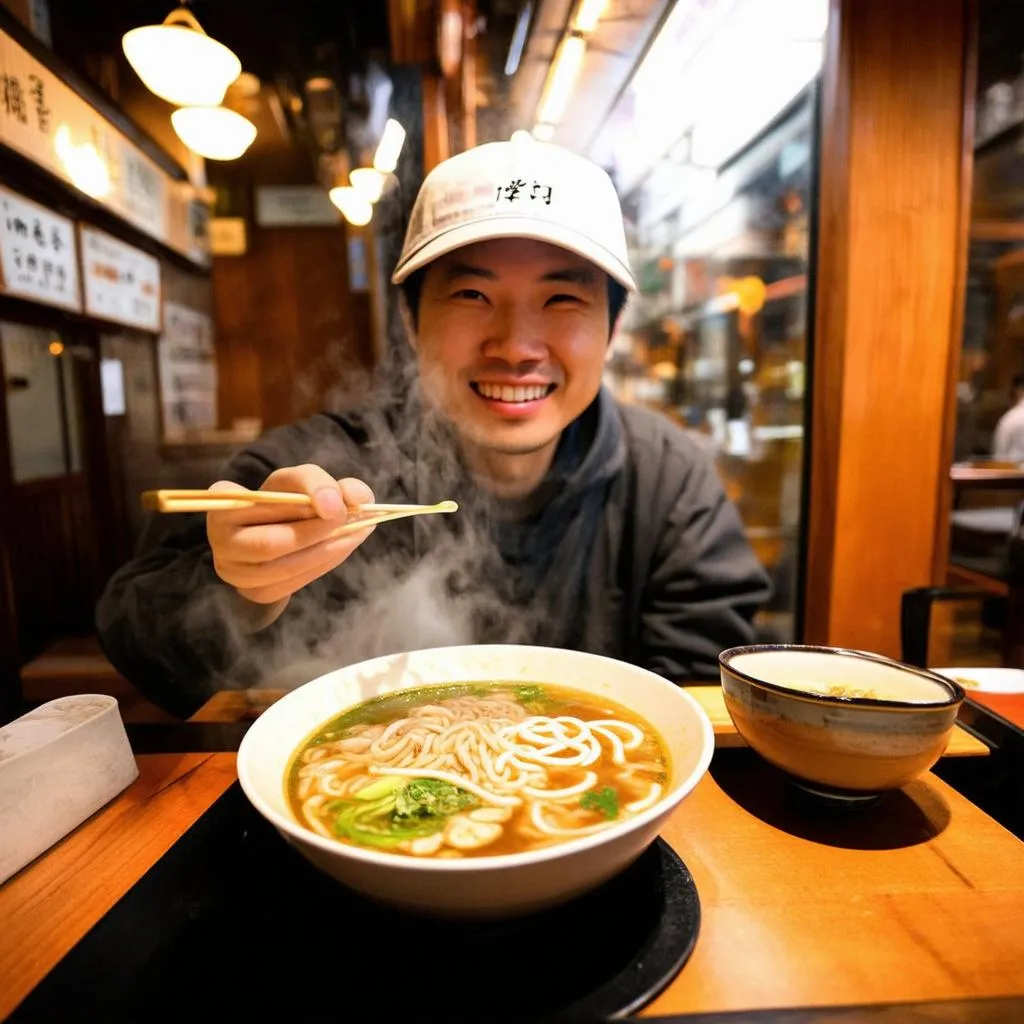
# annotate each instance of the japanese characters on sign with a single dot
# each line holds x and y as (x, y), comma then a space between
(121, 283)
(38, 258)
(49, 123)
(188, 372)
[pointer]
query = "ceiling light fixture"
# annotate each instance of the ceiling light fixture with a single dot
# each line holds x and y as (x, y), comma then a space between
(214, 132)
(568, 62)
(518, 41)
(389, 148)
(565, 67)
(368, 182)
(355, 207)
(179, 62)
(589, 14)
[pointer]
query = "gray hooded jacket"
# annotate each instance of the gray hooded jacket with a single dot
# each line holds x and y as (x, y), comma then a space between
(630, 548)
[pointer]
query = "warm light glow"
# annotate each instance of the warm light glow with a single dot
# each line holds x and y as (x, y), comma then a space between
(56, 347)
(368, 182)
(563, 77)
(355, 207)
(85, 167)
(319, 83)
(589, 14)
(543, 132)
(389, 148)
(214, 132)
(179, 62)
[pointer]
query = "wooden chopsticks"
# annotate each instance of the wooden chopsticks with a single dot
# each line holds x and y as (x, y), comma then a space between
(211, 501)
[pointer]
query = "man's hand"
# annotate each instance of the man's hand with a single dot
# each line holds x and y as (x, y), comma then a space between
(268, 552)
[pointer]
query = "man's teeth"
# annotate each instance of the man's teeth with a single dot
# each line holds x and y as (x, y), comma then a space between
(508, 393)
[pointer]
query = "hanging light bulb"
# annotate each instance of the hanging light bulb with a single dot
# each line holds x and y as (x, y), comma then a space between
(214, 132)
(368, 182)
(355, 207)
(389, 148)
(179, 62)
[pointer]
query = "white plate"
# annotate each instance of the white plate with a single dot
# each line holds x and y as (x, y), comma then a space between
(989, 680)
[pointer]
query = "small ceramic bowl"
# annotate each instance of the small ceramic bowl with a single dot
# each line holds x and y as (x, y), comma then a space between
(506, 885)
(847, 725)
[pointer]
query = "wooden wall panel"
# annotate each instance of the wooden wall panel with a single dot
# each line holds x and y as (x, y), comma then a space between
(436, 141)
(889, 254)
(289, 330)
(54, 563)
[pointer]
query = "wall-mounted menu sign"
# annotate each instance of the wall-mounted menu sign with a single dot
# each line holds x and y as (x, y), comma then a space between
(49, 123)
(188, 372)
(38, 258)
(281, 206)
(121, 283)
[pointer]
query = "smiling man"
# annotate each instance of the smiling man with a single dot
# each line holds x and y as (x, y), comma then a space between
(584, 523)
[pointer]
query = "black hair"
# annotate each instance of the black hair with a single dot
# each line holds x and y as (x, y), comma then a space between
(412, 288)
(1018, 382)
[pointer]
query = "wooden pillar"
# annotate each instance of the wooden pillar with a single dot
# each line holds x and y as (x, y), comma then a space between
(436, 145)
(467, 73)
(888, 306)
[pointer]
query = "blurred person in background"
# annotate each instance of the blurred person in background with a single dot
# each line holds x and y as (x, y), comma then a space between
(1008, 439)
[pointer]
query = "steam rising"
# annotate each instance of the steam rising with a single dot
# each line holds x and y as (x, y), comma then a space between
(422, 582)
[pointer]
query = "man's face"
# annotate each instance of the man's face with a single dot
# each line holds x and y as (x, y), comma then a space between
(511, 337)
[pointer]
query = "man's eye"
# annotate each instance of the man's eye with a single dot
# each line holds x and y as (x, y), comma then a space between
(563, 298)
(469, 293)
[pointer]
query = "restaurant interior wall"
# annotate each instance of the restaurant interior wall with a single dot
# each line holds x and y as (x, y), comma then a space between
(72, 463)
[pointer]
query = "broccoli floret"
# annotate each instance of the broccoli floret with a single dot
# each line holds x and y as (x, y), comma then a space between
(432, 798)
(604, 801)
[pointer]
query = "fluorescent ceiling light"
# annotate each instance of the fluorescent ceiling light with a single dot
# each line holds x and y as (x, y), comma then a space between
(567, 65)
(389, 148)
(518, 41)
(589, 15)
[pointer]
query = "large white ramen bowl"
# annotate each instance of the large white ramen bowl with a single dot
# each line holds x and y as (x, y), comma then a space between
(483, 887)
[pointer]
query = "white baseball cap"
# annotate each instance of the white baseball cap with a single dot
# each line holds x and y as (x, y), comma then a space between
(517, 189)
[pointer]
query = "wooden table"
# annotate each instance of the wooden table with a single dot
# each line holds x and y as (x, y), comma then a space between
(244, 705)
(1007, 705)
(966, 477)
(917, 899)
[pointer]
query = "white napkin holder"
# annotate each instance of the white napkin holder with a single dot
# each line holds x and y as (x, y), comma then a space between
(59, 763)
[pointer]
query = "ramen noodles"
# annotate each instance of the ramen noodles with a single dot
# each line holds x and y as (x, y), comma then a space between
(476, 769)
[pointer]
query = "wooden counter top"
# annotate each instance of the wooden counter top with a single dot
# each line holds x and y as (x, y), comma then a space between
(919, 898)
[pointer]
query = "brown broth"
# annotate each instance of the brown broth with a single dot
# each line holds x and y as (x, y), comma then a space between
(595, 807)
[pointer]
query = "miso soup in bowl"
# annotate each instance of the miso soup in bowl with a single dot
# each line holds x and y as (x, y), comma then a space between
(846, 725)
(479, 781)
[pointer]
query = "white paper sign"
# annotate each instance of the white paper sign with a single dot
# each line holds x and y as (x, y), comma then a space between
(37, 253)
(188, 372)
(228, 236)
(280, 206)
(122, 283)
(112, 384)
(49, 123)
